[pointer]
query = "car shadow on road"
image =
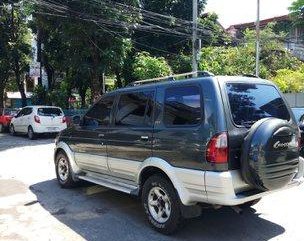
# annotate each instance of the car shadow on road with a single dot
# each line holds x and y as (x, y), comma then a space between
(97, 213)
(9, 142)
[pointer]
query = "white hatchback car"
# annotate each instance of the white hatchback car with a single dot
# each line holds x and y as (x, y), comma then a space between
(33, 120)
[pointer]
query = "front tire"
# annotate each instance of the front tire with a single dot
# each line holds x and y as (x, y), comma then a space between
(64, 171)
(161, 204)
(12, 130)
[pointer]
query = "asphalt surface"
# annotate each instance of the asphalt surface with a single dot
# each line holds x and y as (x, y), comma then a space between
(33, 207)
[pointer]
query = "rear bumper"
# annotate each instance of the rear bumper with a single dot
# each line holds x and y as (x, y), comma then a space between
(229, 189)
(49, 129)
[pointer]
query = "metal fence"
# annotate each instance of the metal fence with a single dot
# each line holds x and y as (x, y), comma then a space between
(295, 99)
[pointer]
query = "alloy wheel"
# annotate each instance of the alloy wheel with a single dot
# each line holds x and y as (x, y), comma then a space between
(159, 205)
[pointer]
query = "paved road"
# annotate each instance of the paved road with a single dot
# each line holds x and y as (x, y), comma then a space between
(33, 207)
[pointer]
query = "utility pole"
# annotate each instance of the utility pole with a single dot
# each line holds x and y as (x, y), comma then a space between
(195, 47)
(258, 36)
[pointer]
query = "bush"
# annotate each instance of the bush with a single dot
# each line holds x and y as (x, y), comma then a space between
(148, 67)
(290, 80)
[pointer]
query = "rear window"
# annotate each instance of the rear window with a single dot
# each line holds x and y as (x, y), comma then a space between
(49, 112)
(252, 102)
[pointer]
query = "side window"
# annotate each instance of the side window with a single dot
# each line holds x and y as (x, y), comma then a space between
(100, 113)
(182, 106)
(21, 113)
(135, 109)
(28, 111)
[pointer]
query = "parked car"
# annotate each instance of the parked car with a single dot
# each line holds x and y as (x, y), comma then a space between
(180, 144)
(6, 115)
(299, 114)
(34, 120)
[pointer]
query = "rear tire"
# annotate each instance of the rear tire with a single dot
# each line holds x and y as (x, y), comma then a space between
(64, 171)
(30, 133)
(12, 130)
(161, 204)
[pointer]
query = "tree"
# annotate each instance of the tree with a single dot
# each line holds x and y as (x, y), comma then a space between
(297, 12)
(5, 65)
(167, 45)
(74, 47)
(19, 48)
(241, 59)
(148, 67)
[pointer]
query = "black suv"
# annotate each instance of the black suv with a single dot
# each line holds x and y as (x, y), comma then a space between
(224, 141)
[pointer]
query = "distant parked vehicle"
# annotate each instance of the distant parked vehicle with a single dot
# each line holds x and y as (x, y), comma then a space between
(34, 120)
(299, 114)
(6, 115)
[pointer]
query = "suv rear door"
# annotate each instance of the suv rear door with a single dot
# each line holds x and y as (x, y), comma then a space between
(129, 141)
(246, 103)
(179, 134)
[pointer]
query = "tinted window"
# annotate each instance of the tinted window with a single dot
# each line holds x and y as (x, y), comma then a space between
(100, 113)
(182, 106)
(298, 113)
(135, 109)
(28, 111)
(49, 112)
(252, 102)
(21, 113)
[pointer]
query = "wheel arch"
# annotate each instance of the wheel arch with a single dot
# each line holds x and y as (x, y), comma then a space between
(63, 147)
(154, 166)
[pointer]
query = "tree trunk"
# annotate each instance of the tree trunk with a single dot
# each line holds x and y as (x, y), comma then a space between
(20, 84)
(1, 95)
(82, 94)
(119, 81)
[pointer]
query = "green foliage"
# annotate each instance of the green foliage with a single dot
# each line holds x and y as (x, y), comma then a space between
(148, 67)
(241, 59)
(296, 13)
(40, 96)
(218, 36)
(290, 80)
(181, 64)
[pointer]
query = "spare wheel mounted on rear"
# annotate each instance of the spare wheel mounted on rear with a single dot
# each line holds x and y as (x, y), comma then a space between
(270, 154)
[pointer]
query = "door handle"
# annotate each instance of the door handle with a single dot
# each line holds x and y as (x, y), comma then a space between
(144, 138)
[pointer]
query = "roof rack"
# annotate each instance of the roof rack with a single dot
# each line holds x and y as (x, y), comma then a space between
(251, 75)
(172, 78)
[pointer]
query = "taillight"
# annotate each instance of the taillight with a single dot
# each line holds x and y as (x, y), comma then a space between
(37, 119)
(64, 119)
(217, 149)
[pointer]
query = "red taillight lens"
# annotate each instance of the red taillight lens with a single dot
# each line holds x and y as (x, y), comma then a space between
(37, 119)
(64, 119)
(217, 149)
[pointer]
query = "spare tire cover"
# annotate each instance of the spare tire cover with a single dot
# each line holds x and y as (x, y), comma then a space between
(270, 154)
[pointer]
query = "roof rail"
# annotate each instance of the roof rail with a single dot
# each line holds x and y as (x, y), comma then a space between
(171, 78)
(251, 75)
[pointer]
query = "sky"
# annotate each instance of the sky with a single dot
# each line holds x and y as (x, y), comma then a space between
(242, 11)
